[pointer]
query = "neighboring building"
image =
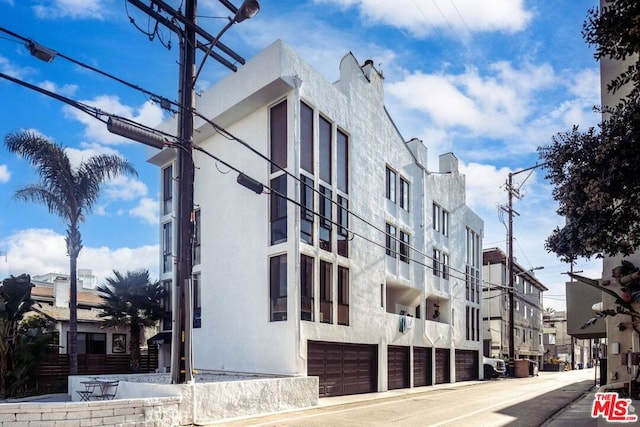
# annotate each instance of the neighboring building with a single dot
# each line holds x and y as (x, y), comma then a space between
(51, 294)
(495, 309)
(368, 276)
(561, 345)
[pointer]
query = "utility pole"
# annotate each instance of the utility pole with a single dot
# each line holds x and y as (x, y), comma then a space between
(512, 192)
(181, 342)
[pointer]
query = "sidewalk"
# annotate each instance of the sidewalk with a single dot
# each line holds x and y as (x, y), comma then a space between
(577, 413)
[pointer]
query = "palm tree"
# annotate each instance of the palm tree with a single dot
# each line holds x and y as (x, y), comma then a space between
(131, 301)
(15, 302)
(69, 192)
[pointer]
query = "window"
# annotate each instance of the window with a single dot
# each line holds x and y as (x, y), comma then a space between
(306, 212)
(197, 230)
(436, 262)
(326, 291)
(342, 148)
(278, 209)
(391, 241)
(278, 125)
(404, 247)
(167, 305)
(468, 322)
(306, 288)
(324, 148)
(472, 269)
(404, 194)
(278, 288)
(444, 261)
(440, 219)
(90, 343)
(167, 245)
(197, 301)
(167, 189)
(391, 184)
(343, 226)
(306, 137)
(325, 219)
(343, 296)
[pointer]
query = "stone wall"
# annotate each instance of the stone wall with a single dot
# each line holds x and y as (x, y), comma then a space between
(127, 412)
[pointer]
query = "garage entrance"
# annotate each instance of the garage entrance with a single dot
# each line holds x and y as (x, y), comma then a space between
(397, 367)
(443, 365)
(467, 367)
(422, 366)
(343, 368)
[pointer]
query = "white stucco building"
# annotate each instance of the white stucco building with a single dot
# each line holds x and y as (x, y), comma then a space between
(367, 274)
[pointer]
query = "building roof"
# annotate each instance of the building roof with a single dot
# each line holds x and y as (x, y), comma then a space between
(62, 313)
(497, 256)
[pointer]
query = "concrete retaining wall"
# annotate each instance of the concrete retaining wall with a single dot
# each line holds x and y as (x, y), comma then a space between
(128, 412)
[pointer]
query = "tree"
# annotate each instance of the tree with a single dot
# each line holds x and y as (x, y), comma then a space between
(131, 301)
(70, 192)
(594, 173)
(15, 302)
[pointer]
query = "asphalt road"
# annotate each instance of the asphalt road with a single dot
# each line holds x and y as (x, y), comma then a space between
(514, 402)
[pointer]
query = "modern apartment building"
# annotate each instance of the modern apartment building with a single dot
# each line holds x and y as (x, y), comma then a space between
(528, 310)
(355, 262)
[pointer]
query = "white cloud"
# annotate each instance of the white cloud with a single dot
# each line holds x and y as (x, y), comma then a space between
(424, 18)
(147, 209)
(5, 174)
(73, 9)
(125, 188)
(484, 185)
(148, 114)
(41, 251)
(66, 90)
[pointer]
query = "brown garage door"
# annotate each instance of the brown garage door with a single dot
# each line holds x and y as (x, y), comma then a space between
(343, 368)
(422, 366)
(397, 367)
(466, 365)
(443, 359)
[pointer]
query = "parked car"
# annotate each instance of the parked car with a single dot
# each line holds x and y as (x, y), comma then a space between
(493, 368)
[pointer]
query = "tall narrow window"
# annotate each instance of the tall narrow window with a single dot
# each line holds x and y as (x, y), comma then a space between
(167, 245)
(343, 226)
(306, 288)
(278, 124)
(306, 137)
(390, 184)
(278, 209)
(278, 288)
(197, 238)
(436, 217)
(324, 148)
(306, 211)
(197, 301)
(342, 148)
(167, 189)
(436, 262)
(404, 247)
(468, 322)
(391, 241)
(326, 292)
(343, 296)
(325, 219)
(445, 223)
(167, 305)
(404, 194)
(444, 261)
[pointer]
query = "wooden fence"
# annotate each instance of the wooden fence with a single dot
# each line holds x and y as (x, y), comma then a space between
(51, 375)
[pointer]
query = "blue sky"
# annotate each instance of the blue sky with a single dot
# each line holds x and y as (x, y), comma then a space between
(489, 80)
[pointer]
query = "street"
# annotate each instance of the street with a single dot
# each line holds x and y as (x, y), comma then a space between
(503, 402)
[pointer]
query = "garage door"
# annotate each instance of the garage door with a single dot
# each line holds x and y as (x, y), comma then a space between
(343, 368)
(397, 367)
(443, 364)
(466, 365)
(422, 366)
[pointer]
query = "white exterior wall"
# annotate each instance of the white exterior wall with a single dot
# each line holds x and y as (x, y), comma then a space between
(236, 334)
